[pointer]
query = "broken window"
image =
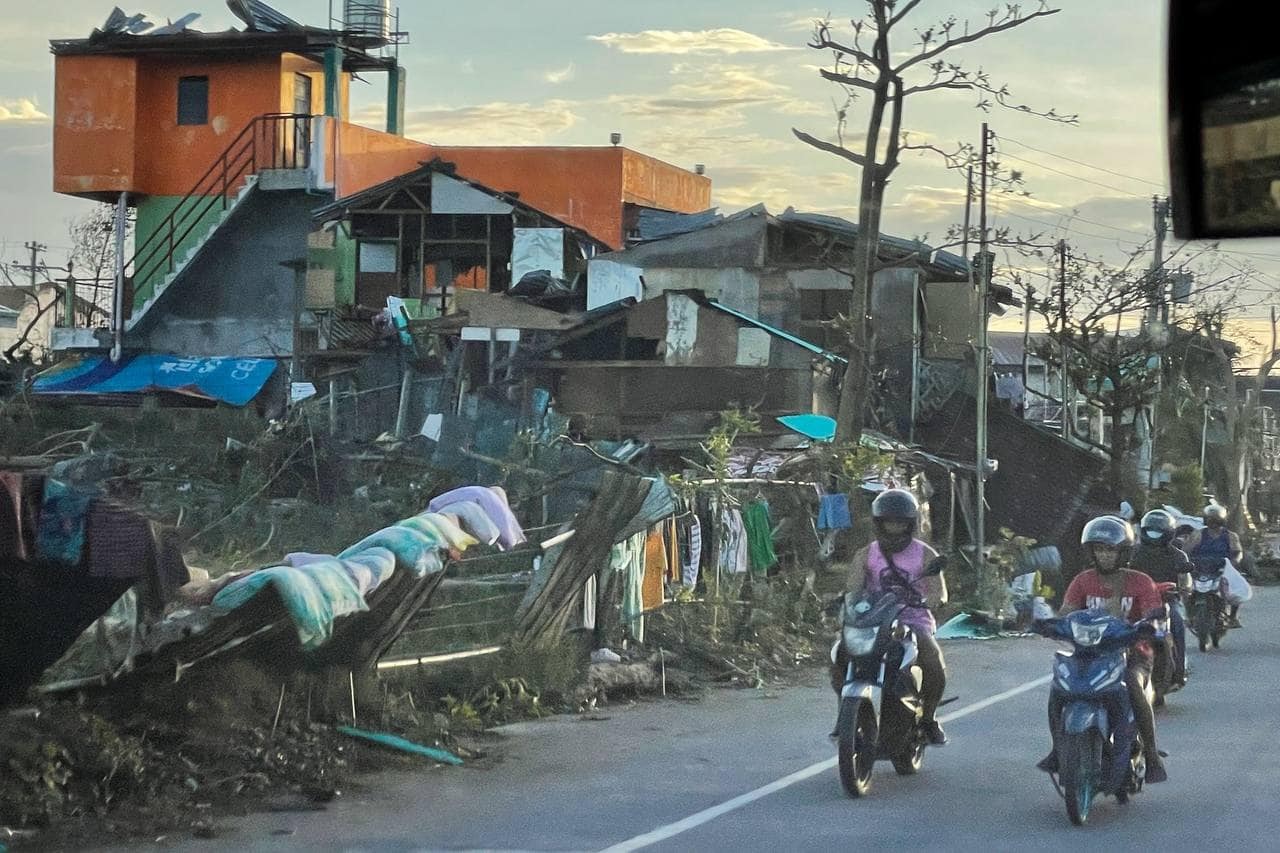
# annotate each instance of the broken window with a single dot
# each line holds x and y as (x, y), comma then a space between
(193, 100)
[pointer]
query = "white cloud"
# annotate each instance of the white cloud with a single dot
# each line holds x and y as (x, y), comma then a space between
(494, 123)
(21, 109)
(716, 95)
(559, 75)
(681, 42)
(803, 22)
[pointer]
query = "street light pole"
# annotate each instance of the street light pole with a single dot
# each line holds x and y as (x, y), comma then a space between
(1204, 429)
(984, 290)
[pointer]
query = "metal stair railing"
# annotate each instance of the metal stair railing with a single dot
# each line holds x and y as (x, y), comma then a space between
(269, 141)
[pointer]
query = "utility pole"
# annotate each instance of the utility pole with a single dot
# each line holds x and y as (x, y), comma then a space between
(1027, 297)
(36, 250)
(1158, 309)
(1064, 378)
(1158, 314)
(984, 292)
(968, 204)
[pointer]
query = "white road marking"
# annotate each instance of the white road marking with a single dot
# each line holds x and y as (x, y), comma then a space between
(697, 819)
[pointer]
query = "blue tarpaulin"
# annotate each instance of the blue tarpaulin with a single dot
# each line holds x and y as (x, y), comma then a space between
(225, 379)
(815, 427)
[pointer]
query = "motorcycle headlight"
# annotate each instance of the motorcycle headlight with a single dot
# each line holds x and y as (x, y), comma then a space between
(1206, 584)
(860, 641)
(1087, 635)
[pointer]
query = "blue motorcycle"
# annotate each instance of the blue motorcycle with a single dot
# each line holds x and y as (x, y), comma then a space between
(1099, 747)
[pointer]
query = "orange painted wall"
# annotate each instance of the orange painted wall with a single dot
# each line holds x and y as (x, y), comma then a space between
(94, 124)
(581, 186)
(172, 158)
(365, 158)
(653, 183)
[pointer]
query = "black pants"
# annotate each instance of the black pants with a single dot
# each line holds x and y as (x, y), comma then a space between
(932, 667)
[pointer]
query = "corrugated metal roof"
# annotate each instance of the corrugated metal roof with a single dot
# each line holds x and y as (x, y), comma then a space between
(779, 333)
(654, 224)
(909, 248)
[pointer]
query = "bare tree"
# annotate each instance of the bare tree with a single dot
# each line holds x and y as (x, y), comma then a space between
(24, 349)
(1117, 367)
(93, 257)
(865, 63)
(1240, 410)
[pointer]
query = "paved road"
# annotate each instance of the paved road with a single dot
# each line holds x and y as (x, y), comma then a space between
(675, 774)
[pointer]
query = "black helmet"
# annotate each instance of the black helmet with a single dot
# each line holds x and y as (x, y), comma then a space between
(1215, 514)
(895, 505)
(1158, 527)
(1112, 532)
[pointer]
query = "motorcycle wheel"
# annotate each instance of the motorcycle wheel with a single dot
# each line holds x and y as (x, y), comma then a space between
(856, 750)
(1217, 639)
(1203, 643)
(1080, 767)
(909, 761)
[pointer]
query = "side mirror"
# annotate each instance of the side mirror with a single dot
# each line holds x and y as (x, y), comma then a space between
(1224, 119)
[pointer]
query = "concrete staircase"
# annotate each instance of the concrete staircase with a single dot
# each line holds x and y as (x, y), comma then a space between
(184, 262)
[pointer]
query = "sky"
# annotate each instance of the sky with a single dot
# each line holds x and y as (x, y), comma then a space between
(721, 83)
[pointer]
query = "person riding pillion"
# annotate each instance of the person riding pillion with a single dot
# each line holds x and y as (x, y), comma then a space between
(1217, 542)
(1126, 594)
(897, 558)
(1158, 557)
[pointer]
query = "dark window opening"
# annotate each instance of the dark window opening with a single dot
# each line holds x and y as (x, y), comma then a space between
(193, 100)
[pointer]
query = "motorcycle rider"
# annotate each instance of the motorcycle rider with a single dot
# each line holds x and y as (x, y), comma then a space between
(896, 555)
(1158, 557)
(1126, 594)
(1217, 542)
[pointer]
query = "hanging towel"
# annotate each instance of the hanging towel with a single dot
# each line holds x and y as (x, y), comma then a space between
(120, 542)
(692, 551)
(494, 502)
(733, 543)
(475, 520)
(655, 567)
(833, 513)
(19, 513)
(759, 530)
(628, 557)
(62, 520)
(673, 550)
(589, 603)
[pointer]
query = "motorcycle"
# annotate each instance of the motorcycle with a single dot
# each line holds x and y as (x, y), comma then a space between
(1099, 747)
(881, 714)
(1162, 669)
(1207, 613)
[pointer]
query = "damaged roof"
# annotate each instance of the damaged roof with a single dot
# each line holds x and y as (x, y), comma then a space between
(710, 239)
(343, 207)
(268, 31)
(773, 330)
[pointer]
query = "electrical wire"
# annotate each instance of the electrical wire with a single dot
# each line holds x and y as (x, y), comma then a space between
(1082, 163)
(1127, 193)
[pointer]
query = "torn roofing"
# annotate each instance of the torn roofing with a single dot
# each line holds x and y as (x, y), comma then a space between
(773, 330)
(342, 207)
(698, 238)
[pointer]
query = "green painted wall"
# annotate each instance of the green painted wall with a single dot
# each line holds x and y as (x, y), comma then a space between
(151, 217)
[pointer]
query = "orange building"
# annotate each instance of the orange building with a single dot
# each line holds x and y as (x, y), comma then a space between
(223, 141)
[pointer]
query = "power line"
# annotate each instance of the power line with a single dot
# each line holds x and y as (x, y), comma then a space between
(1071, 175)
(1082, 163)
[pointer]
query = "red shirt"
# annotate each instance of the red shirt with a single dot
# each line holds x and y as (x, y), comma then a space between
(1129, 595)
